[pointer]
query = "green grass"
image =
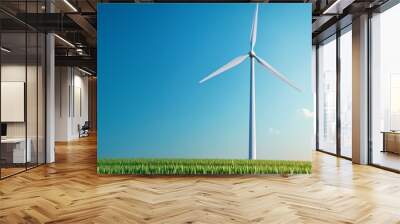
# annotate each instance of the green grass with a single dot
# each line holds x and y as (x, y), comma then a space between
(200, 167)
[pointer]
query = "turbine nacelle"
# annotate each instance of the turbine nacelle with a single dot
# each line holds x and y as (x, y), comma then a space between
(252, 54)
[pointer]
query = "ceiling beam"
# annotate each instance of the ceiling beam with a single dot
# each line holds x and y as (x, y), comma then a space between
(84, 24)
(81, 61)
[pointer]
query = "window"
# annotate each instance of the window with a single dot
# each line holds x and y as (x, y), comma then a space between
(346, 92)
(385, 89)
(327, 95)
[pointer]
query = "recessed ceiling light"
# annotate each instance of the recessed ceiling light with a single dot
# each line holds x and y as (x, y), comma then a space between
(338, 6)
(70, 5)
(64, 40)
(84, 71)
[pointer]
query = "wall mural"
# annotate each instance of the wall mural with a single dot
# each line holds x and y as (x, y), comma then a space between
(167, 106)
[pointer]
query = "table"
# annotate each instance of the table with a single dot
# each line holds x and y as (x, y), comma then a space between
(13, 150)
(391, 141)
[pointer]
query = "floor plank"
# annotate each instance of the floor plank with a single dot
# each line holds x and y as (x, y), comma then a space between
(70, 191)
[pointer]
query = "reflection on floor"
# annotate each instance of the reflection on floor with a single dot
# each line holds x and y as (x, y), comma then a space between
(387, 159)
(70, 191)
(346, 152)
(10, 169)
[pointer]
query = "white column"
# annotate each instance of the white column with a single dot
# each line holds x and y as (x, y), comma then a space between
(50, 92)
(360, 90)
(50, 99)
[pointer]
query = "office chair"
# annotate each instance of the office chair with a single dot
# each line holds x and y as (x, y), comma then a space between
(84, 130)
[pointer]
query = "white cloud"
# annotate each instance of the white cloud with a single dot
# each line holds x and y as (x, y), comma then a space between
(307, 113)
(274, 131)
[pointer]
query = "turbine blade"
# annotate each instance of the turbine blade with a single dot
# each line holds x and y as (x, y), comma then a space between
(276, 73)
(253, 36)
(226, 67)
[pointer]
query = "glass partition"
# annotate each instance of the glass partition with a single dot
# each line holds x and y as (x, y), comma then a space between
(346, 92)
(14, 151)
(327, 95)
(41, 107)
(22, 77)
(32, 95)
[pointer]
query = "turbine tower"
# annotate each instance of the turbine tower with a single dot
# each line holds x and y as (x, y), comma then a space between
(253, 58)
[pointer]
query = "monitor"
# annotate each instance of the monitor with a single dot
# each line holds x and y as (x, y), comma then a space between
(3, 129)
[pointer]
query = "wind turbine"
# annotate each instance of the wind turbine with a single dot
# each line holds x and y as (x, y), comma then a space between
(253, 57)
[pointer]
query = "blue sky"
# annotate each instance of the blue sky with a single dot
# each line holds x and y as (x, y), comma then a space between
(151, 57)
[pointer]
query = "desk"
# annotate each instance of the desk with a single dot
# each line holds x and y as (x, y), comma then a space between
(391, 141)
(16, 153)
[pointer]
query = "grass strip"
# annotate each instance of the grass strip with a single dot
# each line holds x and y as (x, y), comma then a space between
(201, 167)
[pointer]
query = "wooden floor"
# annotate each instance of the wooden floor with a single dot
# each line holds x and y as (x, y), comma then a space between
(386, 159)
(5, 172)
(70, 191)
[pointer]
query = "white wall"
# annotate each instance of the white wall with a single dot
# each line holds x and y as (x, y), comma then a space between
(16, 72)
(81, 114)
(70, 83)
(62, 82)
